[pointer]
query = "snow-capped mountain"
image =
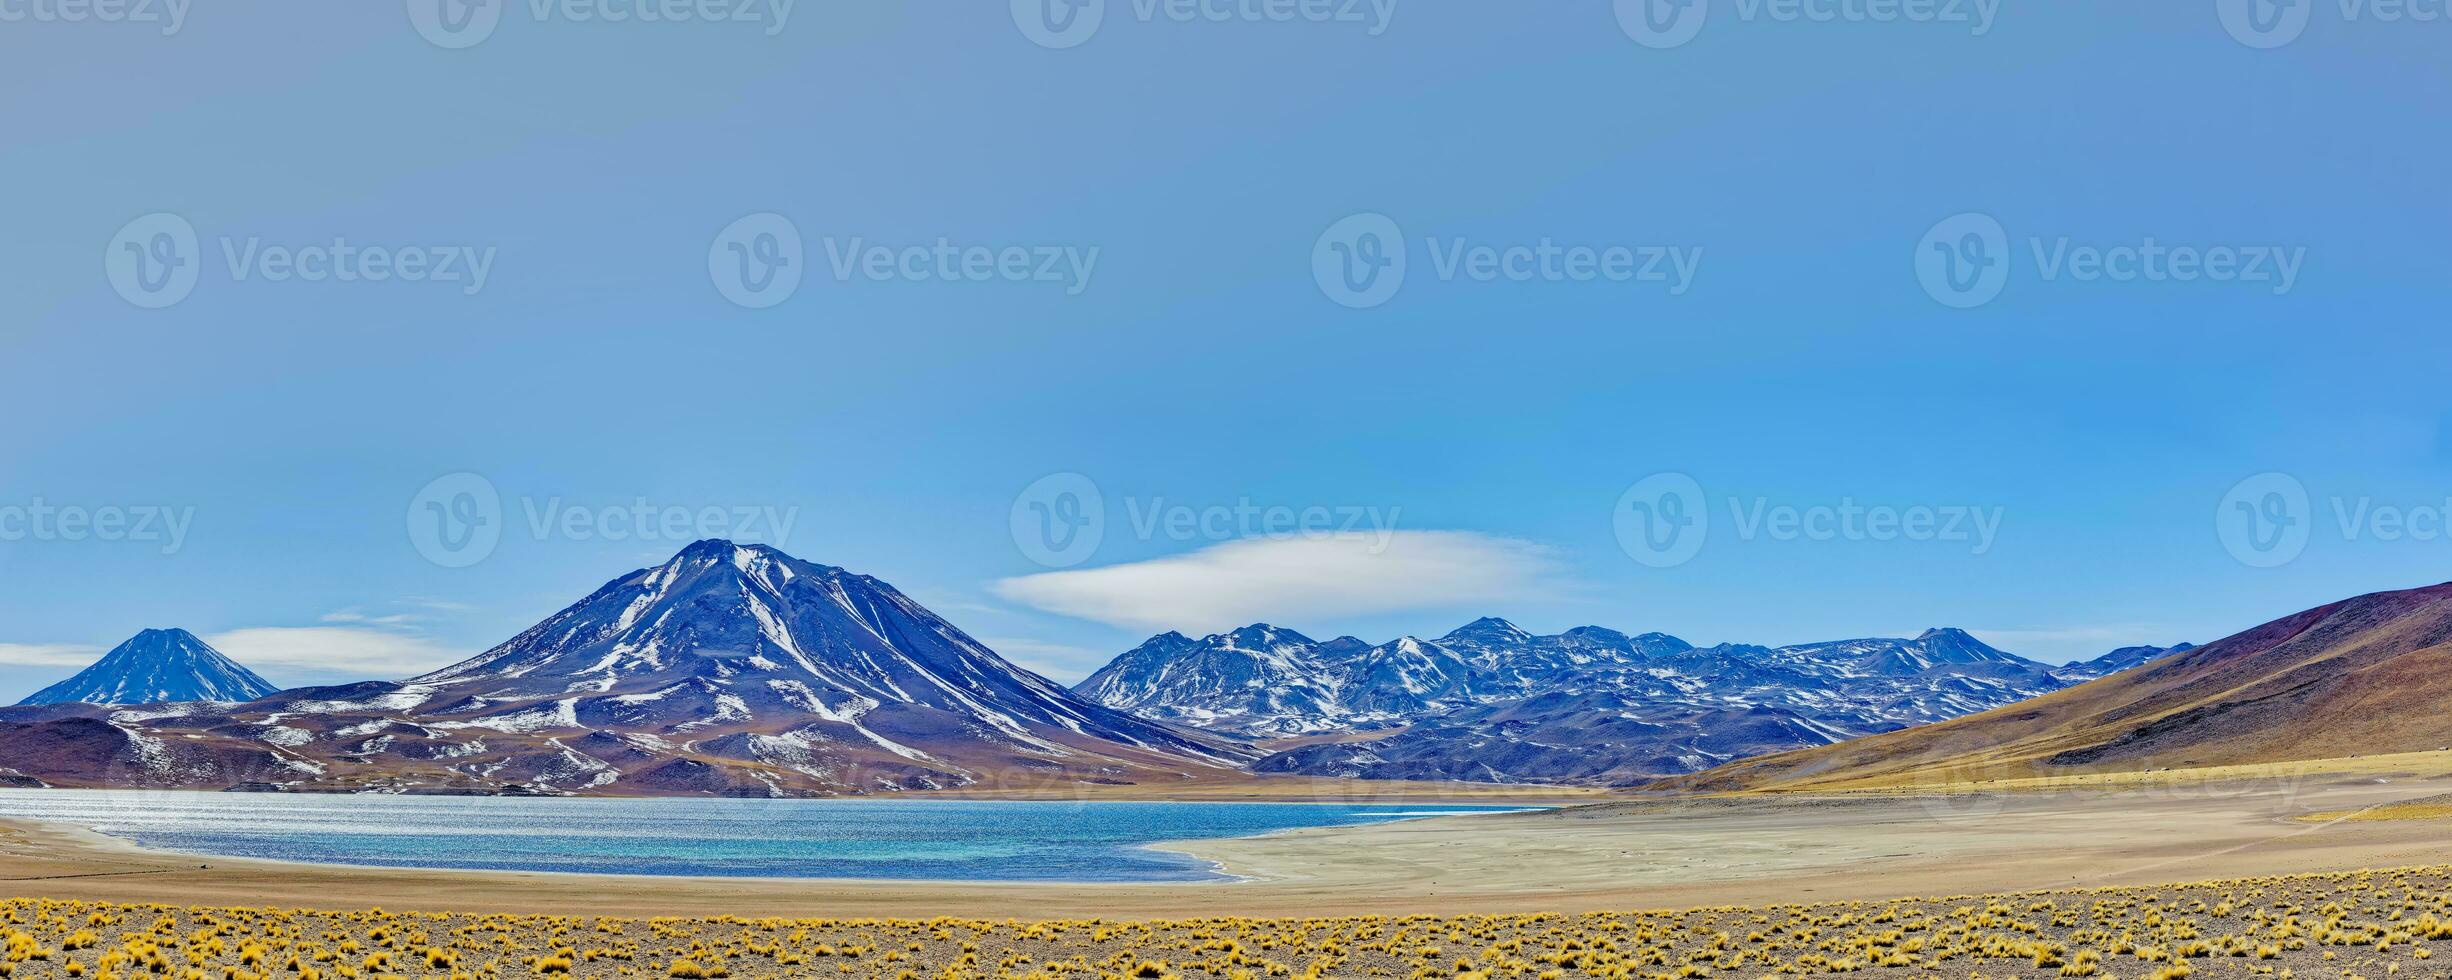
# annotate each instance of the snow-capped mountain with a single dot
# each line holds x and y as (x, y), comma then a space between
(1490, 701)
(2115, 662)
(157, 666)
(727, 632)
(1268, 682)
(1256, 674)
(730, 669)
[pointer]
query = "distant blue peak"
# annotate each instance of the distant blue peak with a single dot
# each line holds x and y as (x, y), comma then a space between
(1487, 625)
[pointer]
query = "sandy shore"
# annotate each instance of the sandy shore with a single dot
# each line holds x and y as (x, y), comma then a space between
(1604, 856)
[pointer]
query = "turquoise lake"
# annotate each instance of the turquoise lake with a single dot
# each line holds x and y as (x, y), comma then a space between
(955, 840)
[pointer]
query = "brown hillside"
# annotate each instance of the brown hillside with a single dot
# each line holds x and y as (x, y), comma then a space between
(2361, 676)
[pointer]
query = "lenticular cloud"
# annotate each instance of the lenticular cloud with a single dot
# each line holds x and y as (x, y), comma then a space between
(1293, 578)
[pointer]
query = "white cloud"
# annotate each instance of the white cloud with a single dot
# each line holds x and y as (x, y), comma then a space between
(334, 651)
(1293, 579)
(354, 616)
(49, 655)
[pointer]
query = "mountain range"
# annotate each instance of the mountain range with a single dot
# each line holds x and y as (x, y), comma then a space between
(740, 670)
(729, 670)
(1492, 702)
(2362, 676)
(2115, 662)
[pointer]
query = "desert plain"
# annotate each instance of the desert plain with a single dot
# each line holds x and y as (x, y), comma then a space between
(1618, 854)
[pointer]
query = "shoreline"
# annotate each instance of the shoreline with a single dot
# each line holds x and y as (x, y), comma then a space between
(99, 840)
(95, 840)
(1628, 855)
(1399, 794)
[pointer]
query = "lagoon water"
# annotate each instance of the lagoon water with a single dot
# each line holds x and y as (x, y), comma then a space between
(959, 840)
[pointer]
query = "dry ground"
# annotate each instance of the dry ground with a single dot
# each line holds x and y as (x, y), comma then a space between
(2356, 924)
(1681, 853)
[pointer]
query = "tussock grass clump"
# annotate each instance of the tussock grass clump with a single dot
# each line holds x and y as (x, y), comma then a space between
(2371, 924)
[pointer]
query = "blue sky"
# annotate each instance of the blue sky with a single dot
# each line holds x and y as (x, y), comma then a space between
(1471, 447)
